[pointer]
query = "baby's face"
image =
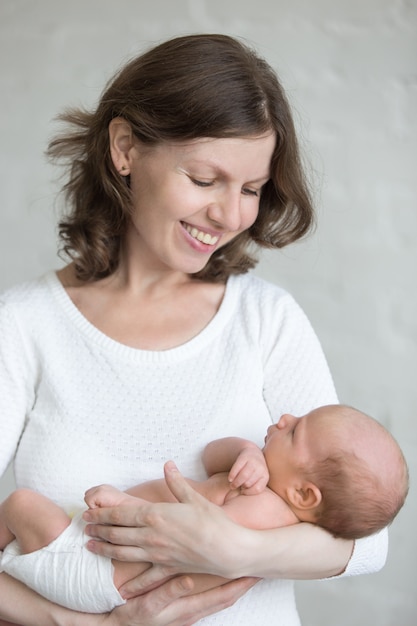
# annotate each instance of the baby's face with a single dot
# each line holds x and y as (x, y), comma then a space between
(296, 442)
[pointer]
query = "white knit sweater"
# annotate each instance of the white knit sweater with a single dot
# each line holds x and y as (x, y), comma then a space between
(79, 409)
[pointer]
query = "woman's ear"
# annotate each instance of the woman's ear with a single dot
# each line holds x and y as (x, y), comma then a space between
(304, 497)
(121, 145)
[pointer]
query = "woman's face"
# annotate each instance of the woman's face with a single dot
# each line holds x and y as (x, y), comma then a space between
(189, 199)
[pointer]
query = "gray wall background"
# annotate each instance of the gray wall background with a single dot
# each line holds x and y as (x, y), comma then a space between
(350, 69)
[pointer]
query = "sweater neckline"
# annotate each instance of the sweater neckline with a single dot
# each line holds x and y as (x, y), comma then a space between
(195, 344)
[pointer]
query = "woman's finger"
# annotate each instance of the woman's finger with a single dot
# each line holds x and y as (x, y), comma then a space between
(160, 607)
(152, 577)
(195, 607)
(178, 485)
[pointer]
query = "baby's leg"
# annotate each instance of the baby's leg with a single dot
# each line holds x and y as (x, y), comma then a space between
(32, 519)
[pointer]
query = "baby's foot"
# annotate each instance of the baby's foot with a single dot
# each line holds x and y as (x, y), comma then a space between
(106, 495)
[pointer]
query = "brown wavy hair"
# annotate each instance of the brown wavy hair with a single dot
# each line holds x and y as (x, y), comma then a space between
(185, 88)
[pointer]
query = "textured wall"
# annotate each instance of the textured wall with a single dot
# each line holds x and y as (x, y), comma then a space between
(351, 72)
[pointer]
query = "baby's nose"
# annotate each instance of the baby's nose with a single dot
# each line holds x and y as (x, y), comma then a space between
(285, 420)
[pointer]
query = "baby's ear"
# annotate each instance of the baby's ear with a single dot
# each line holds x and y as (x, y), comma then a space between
(305, 496)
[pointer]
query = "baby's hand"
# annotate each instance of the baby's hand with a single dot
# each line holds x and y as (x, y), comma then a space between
(249, 471)
(103, 496)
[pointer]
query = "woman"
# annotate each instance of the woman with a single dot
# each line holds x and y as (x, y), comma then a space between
(155, 339)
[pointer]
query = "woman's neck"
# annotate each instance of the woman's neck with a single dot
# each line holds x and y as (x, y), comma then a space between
(155, 313)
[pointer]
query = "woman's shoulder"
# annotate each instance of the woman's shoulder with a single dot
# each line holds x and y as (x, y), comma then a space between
(27, 291)
(28, 300)
(250, 287)
(257, 297)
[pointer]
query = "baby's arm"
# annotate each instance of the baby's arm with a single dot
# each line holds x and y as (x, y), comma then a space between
(242, 459)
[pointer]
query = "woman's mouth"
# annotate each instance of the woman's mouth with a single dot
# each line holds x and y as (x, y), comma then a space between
(200, 235)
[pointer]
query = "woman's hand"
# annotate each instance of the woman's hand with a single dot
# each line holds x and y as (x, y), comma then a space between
(166, 606)
(193, 536)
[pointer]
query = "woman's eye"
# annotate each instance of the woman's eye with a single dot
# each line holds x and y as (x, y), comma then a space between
(250, 192)
(201, 183)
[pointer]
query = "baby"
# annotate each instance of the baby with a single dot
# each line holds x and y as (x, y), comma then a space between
(334, 467)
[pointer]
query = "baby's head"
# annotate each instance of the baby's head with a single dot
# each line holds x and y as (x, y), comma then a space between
(338, 468)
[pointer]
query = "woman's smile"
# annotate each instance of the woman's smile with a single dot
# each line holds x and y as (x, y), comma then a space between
(201, 235)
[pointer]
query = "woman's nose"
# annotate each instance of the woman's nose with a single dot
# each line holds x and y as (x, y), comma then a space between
(225, 212)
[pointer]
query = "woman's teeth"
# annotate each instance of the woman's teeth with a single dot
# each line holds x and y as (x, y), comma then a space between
(201, 236)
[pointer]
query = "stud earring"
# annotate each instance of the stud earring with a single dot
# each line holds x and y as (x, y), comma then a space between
(123, 169)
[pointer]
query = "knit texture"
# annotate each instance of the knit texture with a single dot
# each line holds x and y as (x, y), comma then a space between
(79, 409)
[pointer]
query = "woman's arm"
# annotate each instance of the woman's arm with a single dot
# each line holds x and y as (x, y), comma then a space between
(165, 606)
(20, 605)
